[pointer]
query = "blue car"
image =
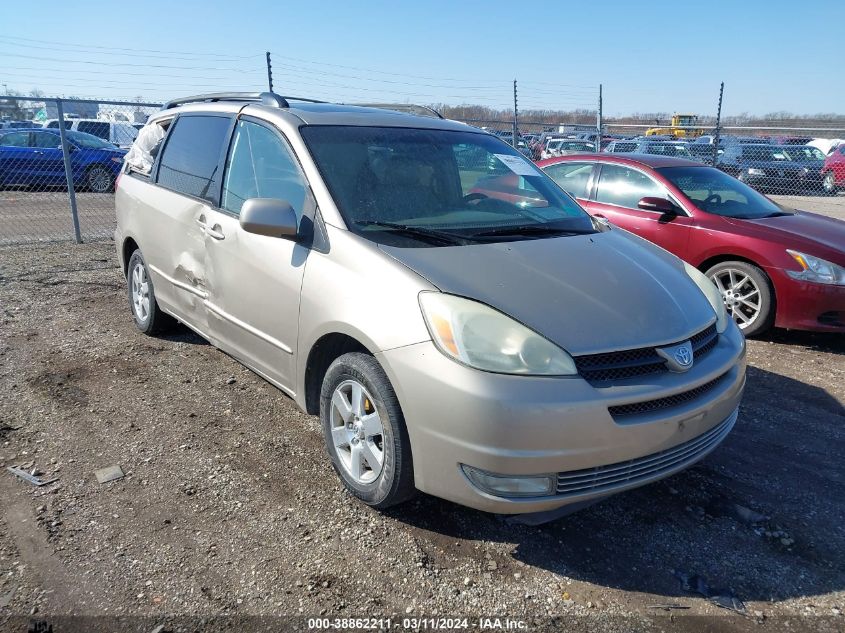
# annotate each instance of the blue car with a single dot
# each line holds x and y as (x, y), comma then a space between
(33, 158)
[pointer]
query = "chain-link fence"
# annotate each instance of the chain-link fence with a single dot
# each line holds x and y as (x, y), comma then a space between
(59, 159)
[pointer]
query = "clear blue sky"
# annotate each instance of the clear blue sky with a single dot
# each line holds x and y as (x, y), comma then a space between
(650, 55)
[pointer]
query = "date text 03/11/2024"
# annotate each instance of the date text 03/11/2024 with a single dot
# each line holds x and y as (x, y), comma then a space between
(417, 624)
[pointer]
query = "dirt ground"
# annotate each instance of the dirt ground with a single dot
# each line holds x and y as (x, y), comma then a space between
(229, 506)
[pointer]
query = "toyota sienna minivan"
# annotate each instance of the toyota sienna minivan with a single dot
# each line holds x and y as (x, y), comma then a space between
(459, 324)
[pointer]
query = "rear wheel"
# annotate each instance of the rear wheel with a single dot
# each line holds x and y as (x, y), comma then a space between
(747, 294)
(142, 299)
(365, 433)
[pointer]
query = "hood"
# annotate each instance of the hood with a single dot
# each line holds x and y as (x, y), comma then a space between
(586, 293)
(802, 231)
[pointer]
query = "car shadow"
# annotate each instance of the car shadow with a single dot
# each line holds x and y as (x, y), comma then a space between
(760, 516)
(181, 333)
(829, 342)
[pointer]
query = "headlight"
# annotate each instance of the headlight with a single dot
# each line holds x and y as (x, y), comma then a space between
(753, 171)
(816, 269)
(116, 159)
(479, 336)
(713, 296)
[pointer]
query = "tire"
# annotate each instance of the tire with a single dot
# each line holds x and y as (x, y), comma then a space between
(352, 437)
(749, 283)
(829, 183)
(146, 314)
(99, 179)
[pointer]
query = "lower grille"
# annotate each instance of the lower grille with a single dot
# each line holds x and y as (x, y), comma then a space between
(664, 403)
(641, 469)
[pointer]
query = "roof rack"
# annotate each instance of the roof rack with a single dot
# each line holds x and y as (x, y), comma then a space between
(409, 108)
(264, 98)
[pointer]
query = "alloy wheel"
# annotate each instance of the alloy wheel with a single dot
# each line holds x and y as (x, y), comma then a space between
(140, 292)
(829, 183)
(99, 180)
(357, 432)
(740, 294)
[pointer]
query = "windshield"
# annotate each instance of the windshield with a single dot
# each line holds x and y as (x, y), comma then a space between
(88, 141)
(668, 149)
(805, 152)
(716, 192)
(766, 153)
(413, 187)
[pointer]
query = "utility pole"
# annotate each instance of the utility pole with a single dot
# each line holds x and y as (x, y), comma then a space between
(515, 116)
(718, 125)
(598, 123)
(269, 72)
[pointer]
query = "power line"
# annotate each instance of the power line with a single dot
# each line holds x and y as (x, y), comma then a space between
(118, 64)
(131, 50)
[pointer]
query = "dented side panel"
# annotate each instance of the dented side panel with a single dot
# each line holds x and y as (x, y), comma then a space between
(166, 227)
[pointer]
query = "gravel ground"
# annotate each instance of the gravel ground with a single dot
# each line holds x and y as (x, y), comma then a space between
(229, 506)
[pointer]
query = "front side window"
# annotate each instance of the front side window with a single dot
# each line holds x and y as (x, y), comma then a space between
(625, 187)
(571, 177)
(417, 187)
(189, 162)
(260, 165)
(97, 128)
(15, 139)
(714, 191)
(46, 140)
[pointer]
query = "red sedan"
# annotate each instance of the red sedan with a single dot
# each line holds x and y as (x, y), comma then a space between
(774, 266)
(833, 172)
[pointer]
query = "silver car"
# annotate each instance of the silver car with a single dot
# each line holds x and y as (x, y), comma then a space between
(460, 325)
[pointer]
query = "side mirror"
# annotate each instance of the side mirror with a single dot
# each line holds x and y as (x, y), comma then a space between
(659, 205)
(268, 216)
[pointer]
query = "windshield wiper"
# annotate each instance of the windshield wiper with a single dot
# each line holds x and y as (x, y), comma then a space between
(416, 231)
(531, 229)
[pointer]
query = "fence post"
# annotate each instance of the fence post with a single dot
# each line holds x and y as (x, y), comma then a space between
(718, 125)
(71, 193)
(515, 117)
(598, 123)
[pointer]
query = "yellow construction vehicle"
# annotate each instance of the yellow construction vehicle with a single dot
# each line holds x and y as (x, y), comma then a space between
(682, 126)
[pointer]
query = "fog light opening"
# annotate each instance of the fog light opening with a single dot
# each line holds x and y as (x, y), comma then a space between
(511, 485)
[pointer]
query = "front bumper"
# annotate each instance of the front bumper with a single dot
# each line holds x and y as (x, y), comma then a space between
(803, 305)
(517, 425)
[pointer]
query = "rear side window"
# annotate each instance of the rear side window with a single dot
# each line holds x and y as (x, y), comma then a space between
(15, 139)
(97, 128)
(191, 156)
(624, 147)
(261, 166)
(571, 177)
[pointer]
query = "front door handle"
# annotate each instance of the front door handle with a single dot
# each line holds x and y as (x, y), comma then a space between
(215, 232)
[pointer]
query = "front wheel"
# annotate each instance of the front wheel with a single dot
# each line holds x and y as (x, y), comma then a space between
(747, 295)
(365, 433)
(829, 183)
(99, 179)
